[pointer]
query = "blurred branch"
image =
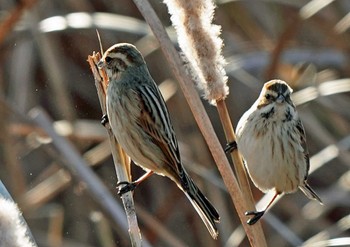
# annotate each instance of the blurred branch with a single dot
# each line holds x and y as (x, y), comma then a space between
(312, 7)
(44, 191)
(326, 88)
(345, 241)
(159, 228)
(52, 63)
(13, 17)
(103, 229)
(11, 162)
(80, 169)
(106, 21)
(343, 25)
(290, 31)
(278, 225)
(55, 228)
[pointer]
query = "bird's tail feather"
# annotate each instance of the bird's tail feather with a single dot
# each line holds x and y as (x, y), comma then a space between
(309, 192)
(204, 208)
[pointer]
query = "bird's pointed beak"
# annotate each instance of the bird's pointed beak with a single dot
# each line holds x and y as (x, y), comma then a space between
(101, 64)
(280, 98)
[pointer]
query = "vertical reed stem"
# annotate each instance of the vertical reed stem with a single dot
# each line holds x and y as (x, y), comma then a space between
(201, 117)
(238, 164)
(121, 162)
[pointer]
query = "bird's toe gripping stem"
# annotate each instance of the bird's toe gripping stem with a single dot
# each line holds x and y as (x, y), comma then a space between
(256, 216)
(230, 146)
(104, 119)
(127, 186)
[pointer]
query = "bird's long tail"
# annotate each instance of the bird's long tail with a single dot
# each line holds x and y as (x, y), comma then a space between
(309, 192)
(204, 208)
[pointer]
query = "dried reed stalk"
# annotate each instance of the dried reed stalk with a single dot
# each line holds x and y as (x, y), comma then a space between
(121, 160)
(200, 40)
(202, 119)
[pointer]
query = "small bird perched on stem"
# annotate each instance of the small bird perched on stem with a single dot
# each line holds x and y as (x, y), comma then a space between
(271, 138)
(140, 121)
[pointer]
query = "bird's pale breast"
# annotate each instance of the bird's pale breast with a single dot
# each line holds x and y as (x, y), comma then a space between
(273, 159)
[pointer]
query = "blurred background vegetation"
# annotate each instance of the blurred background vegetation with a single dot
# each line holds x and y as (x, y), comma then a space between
(44, 46)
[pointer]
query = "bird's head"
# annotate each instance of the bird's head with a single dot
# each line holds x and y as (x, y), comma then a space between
(275, 92)
(119, 58)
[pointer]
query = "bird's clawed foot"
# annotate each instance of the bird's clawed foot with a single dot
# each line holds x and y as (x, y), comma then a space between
(127, 186)
(256, 216)
(104, 119)
(230, 147)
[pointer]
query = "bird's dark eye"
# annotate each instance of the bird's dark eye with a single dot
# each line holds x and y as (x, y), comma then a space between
(268, 96)
(108, 59)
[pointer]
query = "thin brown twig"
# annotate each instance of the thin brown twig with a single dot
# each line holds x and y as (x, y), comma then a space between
(200, 115)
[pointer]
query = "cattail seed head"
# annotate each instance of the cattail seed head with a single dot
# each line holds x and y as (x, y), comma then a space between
(199, 40)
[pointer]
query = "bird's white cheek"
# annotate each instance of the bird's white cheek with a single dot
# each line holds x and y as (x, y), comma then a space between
(109, 74)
